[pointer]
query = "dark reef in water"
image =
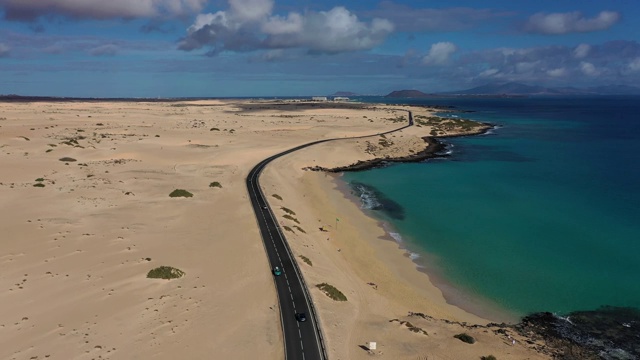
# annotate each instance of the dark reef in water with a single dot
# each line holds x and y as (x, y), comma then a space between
(610, 333)
(373, 199)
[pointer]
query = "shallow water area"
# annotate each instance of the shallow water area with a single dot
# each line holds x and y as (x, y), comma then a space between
(538, 215)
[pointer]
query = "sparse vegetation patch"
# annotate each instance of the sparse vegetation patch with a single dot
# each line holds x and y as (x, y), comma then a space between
(277, 196)
(332, 292)
(299, 229)
(180, 193)
(67, 159)
(165, 272)
(306, 260)
(488, 357)
(289, 217)
(288, 211)
(38, 185)
(215, 184)
(464, 337)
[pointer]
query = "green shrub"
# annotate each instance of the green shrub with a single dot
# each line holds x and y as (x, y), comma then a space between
(464, 337)
(289, 217)
(288, 211)
(299, 229)
(286, 228)
(306, 259)
(488, 357)
(67, 159)
(165, 272)
(180, 193)
(277, 196)
(214, 129)
(38, 185)
(332, 292)
(40, 179)
(215, 184)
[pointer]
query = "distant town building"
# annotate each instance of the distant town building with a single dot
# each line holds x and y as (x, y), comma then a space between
(340, 98)
(319, 98)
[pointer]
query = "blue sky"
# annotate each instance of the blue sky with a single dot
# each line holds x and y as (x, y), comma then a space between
(183, 48)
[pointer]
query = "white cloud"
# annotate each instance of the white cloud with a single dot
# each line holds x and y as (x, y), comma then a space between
(571, 22)
(4, 50)
(589, 69)
(439, 53)
(276, 25)
(634, 65)
(338, 30)
(489, 73)
(559, 72)
(249, 25)
(104, 50)
(27, 10)
(526, 66)
(251, 10)
(582, 50)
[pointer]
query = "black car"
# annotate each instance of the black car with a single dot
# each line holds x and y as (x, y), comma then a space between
(301, 317)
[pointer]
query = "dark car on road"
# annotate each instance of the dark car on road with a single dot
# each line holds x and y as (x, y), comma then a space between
(301, 317)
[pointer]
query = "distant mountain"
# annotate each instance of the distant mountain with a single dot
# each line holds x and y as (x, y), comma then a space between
(513, 88)
(616, 90)
(407, 94)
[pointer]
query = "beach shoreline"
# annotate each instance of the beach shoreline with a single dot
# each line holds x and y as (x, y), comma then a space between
(424, 262)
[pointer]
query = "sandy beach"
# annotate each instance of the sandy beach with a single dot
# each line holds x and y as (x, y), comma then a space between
(77, 246)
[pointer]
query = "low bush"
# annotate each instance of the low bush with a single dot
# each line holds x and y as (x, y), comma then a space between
(488, 357)
(38, 185)
(165, 272)
(332, 292)
(306, 260)
(215, 184)
(67, 159)
(277, 196)
(464, 337)
(289, 217)
(180, 193)
(288, 211)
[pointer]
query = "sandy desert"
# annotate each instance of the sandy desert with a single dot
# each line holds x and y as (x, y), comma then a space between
(86, 213)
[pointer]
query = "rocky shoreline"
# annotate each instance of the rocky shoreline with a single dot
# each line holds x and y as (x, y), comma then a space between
(433, 149)
(606, 333)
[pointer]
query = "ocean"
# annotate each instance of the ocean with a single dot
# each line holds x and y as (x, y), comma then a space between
(540, 214)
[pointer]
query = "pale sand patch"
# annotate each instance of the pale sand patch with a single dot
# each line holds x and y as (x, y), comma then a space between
(75, 253)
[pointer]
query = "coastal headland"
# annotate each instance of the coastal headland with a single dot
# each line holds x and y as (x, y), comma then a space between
(87, 213)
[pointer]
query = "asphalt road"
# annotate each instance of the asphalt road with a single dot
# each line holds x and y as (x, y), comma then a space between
(302, 340)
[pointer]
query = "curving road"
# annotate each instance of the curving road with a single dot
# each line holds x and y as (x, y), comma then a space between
(302, 340)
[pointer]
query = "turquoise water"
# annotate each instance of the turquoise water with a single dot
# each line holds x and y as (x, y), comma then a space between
(541, 215)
